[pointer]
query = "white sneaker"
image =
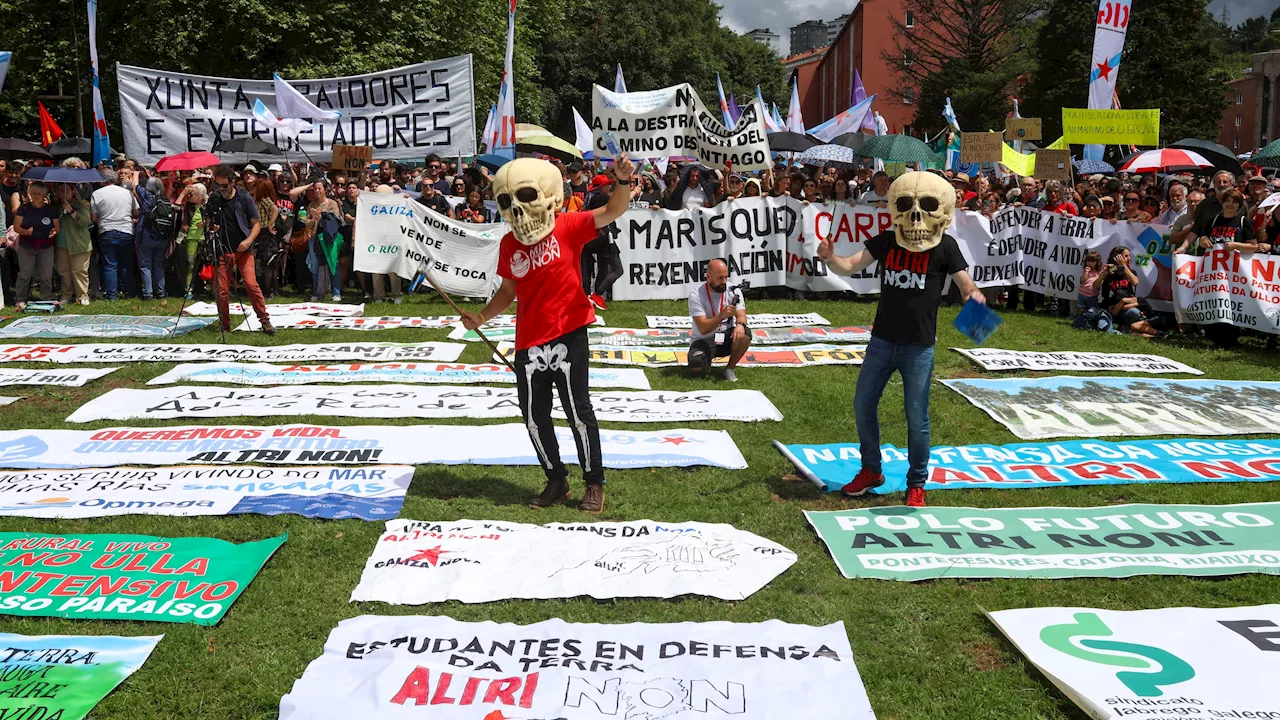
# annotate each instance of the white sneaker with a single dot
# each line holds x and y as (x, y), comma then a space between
(398, 299)
(728, 375)
(337, 298)
(84, 301)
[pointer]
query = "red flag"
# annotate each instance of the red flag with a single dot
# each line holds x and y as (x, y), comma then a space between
(49, 130)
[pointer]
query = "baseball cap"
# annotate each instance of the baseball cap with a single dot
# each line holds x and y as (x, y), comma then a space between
(576, 166)
(598, 182)
(275, 167)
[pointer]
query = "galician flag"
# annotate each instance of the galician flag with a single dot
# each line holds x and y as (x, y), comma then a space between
(101, 143)
(851, 120)
(795, 119)
(5, 57)
(503, 140)
(294, 112)
(1108, 46)
(778, 122)
(769, 125)
(724, 105)
(619, 82)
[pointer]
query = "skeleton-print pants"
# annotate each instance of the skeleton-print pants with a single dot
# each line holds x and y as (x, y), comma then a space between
(560, 364)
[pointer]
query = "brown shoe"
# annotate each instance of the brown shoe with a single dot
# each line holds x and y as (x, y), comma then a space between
(555, 492)
(268, 328)
(593, 499)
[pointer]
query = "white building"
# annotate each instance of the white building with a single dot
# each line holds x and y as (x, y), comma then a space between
(834, 27)
(767, 37)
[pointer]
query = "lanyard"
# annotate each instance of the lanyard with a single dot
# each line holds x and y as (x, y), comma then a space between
(708, 289)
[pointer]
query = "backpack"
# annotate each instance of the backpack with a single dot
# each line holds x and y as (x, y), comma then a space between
(160, 218)
(1094, 318)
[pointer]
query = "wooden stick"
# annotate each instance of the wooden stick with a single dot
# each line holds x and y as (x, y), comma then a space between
(427, 274)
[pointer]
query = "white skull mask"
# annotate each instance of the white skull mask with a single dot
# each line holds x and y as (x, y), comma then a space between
(922, 205)
(529, 192)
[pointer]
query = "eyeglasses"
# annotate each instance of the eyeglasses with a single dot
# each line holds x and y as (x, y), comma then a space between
(223, 185)
(1131, 199)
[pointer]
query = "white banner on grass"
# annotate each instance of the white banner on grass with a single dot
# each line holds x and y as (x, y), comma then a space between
(318, 309)
(416, 373)
(101, 326)
(394, 667)
(412, 401)
(659, 357)
(374, 492)
(9, 400)
(478, 561)
(1148, 664)
(357, 444)
(996, 359)
(319, 352)
(396, 234)
(754, 320)
(70, 377)
(665, 337)
(385, 322)
(404, 113)
(1226, 286)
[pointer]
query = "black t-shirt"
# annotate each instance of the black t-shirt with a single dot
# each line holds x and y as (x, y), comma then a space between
(40, 221)
(579, 191)
(911, 288)
(6, 197)
(436, 202)
(1235, 229)
(1115, 287)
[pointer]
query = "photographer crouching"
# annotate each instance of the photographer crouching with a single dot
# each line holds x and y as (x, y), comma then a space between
(719, 322)
(233, 226)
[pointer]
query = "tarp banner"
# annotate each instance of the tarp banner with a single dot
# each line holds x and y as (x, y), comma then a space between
(393, 667)
(319, 309)
(997, 359)
(102, 326)
(1150, 664)
(1066, 406)
(405, 113)
(755, 320)
(74, 672)
(357, 444)
(127, 577)
(785, 356)
(477, 561)
(319, 352)
(385, 322)
(1034, 465)
(1226, 286)
(374, 492)
(667, 337)
(69, 377)
(1052, 542)
(412, 401)
(396, 234)
(417, 373)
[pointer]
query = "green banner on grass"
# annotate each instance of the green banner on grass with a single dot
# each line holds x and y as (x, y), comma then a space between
(126, 577)
(901, 543)
(62, 677)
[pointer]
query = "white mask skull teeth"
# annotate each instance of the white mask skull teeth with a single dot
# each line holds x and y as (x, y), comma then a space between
(529, 192)
(922, 205)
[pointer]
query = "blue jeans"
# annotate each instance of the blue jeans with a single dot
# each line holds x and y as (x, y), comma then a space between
(915, 364)
(116, 249)
(151, 257)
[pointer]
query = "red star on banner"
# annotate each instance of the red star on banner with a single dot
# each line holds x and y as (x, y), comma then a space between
(495, 715)
(432, 556)
(677, 440)
(1104, 70)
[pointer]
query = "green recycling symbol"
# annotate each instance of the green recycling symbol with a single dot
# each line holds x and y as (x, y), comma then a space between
(1170, 669)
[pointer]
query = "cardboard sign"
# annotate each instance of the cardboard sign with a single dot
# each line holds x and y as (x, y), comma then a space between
(1053, 165)
(1022, 129)
(981, 147)
(352, 158)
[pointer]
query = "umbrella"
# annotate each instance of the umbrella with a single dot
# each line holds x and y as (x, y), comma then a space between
(791, 142)
(1090, 167)
(897, 148)
(1221, 157)
(493, 162)
(15, 148)
(828, 155)
(1271, 201)
(1165, 159)
(250, 145)
(187, 161)
(1268, 156)
(852, 140)
(63, 175)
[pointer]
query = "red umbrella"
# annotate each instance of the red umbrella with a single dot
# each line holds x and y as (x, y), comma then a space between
(1154, 160)
(188, 161)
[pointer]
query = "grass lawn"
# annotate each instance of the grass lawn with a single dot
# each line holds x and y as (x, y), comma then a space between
(924, 649)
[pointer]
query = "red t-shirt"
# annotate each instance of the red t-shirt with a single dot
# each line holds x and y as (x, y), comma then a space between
(548, 278)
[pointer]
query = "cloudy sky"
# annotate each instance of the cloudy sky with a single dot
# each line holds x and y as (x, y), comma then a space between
(744, 15)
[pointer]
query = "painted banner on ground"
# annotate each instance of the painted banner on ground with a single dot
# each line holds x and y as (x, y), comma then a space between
(1154, 664)
(1066, 406)
(374, 492)
(895, 543)
(1032, 465)
(69, 377)
(357, 444)
(386, 322)
(476, 561)
(1226, 286)
(996, 359)
(392, 667)
(398, 235)
(319, 352)
(412, 401)
(404, 113)
(102, 326)
(319, 309)
(127, 577)
(755, 320)
(665, 337)
(425, 373)
(785, 356)
(62, 677)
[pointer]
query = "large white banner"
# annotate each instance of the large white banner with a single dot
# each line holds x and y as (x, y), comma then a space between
(996, 359)
(102, 326)
(357, 444)
(476, 561)
(1226, 286)
(396, 234)
(664, 337)
(1154, 664)
(659, 357)
(755, 320)
(405, 113)
(320, 309)
(411, 401)
(417, 373)
(69, 377)
(320, 352)
(394, 667)
(382, 322)
(374, 492)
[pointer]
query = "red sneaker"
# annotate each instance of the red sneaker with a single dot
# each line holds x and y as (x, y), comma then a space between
(915, 497)
(598, 301)
(862, 482)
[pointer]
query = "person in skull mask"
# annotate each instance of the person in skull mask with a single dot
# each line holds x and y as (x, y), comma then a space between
(539, 263)
(915, 257)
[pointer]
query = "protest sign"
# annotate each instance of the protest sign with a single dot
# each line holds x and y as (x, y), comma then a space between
(478, 561)
(1039, 465)
(1053, 165)
(357, 444)
(320, 352)
(673, 121)
(397, 235)
(665, 336)
(997, 359)
(105, 577)
(1018, 163)
(62, 677)
(1111, 127)
(1226, 286)
(981, 147)
(305, 308)
(1150, 664)
(657, 357)
(1065, 406)
(1052, 542)
(102, 326)
(412, 401)
(70, 377)
(405, 113)
(1016, 129)
(352, 158)
(373, 492)
(418, 373)
(755, 320)
(384, 667)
